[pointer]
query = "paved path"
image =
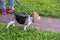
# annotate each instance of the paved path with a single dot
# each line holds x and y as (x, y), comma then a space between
(51, 24)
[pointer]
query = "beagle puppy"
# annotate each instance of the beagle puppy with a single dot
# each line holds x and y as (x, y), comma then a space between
(25, 20)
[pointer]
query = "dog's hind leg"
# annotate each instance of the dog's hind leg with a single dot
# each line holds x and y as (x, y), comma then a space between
(14, 24)
(11, 22)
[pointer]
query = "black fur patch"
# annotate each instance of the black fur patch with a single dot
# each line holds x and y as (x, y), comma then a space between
(20, 19)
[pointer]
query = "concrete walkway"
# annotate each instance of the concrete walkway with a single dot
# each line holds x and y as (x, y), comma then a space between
(51, 24)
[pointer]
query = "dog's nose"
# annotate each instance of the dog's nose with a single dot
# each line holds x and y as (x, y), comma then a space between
(39, 18)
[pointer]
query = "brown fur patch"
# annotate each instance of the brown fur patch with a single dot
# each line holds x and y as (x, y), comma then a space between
(26, 22)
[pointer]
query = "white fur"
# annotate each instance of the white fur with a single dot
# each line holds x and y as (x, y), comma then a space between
(39, 18)
(25, 26)
(11, 22)
(29, 22)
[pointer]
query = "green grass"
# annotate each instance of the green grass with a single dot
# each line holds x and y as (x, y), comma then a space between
(49, 8)
(17, 33)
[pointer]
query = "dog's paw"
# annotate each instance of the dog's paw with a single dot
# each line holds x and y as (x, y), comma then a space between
(24, 28)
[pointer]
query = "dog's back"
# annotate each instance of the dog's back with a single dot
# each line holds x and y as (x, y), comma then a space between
(20, 18)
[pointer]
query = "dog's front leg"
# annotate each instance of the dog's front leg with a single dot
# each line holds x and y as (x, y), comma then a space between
(11, 22)
(25, 27)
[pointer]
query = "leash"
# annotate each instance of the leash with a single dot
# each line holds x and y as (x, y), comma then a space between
(21, 7)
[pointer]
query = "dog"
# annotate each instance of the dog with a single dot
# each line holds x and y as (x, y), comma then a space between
(25, 20)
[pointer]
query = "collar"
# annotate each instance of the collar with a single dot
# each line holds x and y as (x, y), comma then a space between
(31, 17)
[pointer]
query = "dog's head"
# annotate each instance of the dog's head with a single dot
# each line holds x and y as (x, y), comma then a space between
(36, 16)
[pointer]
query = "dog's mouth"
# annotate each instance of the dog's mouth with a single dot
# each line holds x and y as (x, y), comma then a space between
(39, 18)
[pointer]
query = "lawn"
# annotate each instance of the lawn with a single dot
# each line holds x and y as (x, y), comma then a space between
(49, 8)
(17, 33)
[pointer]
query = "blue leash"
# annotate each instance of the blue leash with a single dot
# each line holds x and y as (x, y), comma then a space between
(25, 11)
